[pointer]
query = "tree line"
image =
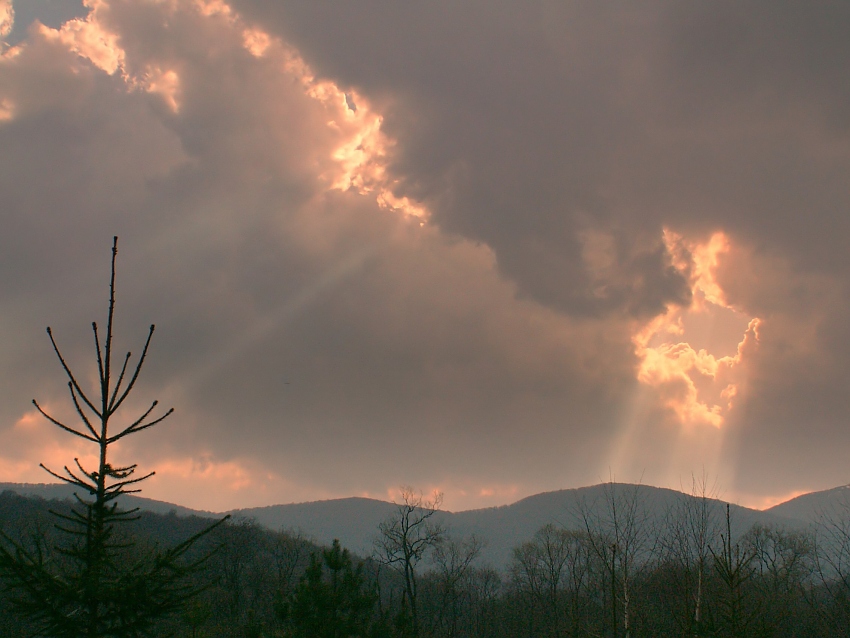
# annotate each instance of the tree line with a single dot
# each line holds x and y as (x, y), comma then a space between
(622, 574)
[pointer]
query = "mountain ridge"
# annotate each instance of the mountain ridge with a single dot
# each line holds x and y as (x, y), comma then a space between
(354, 520)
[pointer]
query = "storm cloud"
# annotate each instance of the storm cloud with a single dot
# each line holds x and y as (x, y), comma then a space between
(486, 248)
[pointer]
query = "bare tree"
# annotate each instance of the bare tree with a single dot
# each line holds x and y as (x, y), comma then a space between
(289, 553)
(783, 564)
(453, 559)
(243, 571)
(406, 537)
(98, 584)
(832, 565)
(733, 565)
(552, 569)
(693, 527)
(620, 534)
(485, 588)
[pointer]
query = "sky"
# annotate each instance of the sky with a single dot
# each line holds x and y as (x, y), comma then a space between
(486, 248)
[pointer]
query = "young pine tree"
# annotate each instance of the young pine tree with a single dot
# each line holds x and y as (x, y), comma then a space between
(94, 581)
(333, 599)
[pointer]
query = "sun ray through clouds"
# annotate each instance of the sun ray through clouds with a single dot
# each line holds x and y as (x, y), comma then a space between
(692, 355)
(691, 372)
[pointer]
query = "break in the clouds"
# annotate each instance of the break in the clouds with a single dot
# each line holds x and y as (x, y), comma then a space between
(487, 248)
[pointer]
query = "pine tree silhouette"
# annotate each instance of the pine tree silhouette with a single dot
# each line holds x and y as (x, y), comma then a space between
(94, 580)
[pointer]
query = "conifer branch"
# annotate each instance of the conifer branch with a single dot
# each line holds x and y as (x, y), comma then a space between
(118, 383)
(62, 425)
(80, 411)
(138, 369)
(70, 374)
(132, 429)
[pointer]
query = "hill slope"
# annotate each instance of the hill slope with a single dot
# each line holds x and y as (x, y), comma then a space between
(354, 521)
(61, 491)
(813, 507)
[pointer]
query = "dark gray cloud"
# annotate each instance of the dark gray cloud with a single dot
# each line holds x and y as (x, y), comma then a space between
(541, 117)
(309, 336)
(524, 125)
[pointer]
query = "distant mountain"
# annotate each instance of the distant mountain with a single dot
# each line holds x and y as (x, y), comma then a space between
(354, 521)
(813, 507)
(62, 491)
(507, 526)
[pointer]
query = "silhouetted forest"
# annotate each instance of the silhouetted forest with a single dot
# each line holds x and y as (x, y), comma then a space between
(620, 574)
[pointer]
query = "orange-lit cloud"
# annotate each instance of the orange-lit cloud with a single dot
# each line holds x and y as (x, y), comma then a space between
(7, 17)
(217, 485)
(257, 42)
(165, 83)
(762, 502)
(360, 157)
(457, 496)
(33, 440)
(699, 385)
(88, 38)
(200, 481)
(211, 8)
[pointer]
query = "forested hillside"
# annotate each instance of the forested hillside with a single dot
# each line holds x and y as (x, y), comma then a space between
(354, 520)
(614, 571)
